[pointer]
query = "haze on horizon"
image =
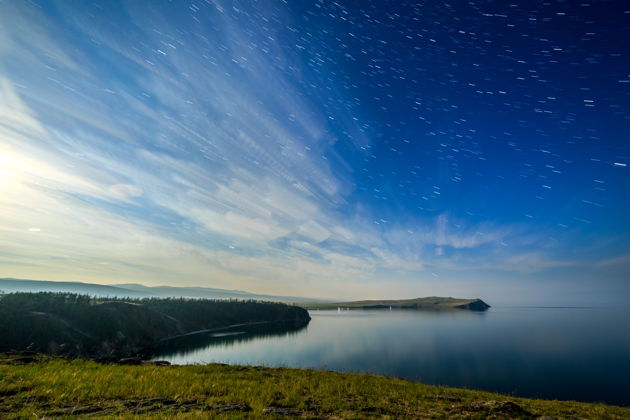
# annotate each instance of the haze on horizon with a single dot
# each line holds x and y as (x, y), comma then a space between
(355, 150)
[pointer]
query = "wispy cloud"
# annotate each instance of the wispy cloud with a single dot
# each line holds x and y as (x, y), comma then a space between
(144, 156)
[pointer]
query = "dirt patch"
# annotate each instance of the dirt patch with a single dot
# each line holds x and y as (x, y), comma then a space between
(230, 407)
(281, 411)
(444, 397)
(500, 409)
(134, 406)
(80, 410)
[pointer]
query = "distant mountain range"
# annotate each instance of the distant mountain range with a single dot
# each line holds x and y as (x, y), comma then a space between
(133, 290)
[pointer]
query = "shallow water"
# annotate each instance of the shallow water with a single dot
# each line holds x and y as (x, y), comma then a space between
(559, 353)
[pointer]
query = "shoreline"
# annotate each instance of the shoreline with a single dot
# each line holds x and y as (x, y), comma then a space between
(207, 330)
(51, 386)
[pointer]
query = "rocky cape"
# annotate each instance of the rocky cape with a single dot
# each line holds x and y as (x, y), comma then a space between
(425, 303)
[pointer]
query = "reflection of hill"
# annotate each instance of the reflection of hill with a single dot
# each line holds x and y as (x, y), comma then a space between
(183, 345)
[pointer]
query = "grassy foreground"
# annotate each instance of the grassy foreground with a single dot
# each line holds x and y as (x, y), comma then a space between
(43, 387)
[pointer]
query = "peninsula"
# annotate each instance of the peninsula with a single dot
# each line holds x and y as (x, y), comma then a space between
(82, 326)
(425, 303)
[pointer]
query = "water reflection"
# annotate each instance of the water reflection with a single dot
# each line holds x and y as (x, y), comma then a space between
(190, 344)
(563, 353)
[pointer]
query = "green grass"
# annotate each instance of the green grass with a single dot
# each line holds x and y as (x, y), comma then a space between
(53, 387)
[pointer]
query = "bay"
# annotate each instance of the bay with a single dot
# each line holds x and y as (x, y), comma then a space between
(555, 353)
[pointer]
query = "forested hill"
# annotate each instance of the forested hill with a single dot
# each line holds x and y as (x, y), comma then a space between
(79, 325)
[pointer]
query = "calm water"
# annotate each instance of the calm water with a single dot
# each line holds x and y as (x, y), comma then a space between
(563, 353)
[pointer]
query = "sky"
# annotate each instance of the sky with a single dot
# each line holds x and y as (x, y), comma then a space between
(334, 149)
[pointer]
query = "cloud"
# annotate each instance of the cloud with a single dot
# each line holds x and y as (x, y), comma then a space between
(314, 231)
(164, 156)
(622, 261)
(125, 191)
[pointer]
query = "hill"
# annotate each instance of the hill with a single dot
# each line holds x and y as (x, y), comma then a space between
(205, 293)
(433, 302)
(82, 326)
(50, 387)
(11, 285)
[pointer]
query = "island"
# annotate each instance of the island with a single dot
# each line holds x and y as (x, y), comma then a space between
(425, 303)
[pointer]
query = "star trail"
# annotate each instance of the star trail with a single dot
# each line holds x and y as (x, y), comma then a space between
(355, 149)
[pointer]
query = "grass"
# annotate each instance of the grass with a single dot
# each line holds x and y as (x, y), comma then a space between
(41, 386)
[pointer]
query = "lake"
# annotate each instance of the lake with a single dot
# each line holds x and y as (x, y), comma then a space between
(555, 353)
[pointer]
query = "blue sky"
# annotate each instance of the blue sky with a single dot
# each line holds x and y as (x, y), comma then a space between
(330, 149)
